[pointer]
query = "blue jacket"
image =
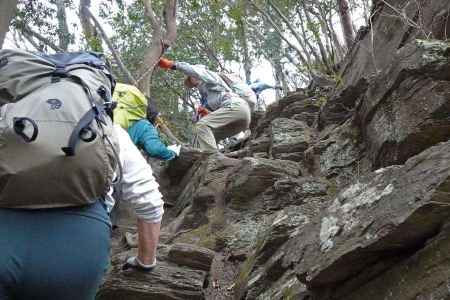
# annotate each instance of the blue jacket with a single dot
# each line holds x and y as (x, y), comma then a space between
(259, 86)
(145, 136)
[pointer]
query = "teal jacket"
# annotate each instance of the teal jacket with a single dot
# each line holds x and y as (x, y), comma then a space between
(145, 136)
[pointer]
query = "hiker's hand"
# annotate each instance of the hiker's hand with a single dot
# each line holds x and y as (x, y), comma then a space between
(134, 263)
(202, 111)
(165, 63)
(175, 148)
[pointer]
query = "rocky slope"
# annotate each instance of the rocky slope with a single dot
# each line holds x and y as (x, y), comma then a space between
(342, 194)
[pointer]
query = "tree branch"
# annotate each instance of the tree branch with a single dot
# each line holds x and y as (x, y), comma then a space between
(289, 25)
(90, 32)
(119, 62)
(209, 51)
(32, 42)
(63, 30)
(170, 20)
(28, 31)
(280, 33)
(150, 14)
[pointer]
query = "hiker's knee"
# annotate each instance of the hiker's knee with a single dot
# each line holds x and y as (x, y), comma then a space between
(202, 127)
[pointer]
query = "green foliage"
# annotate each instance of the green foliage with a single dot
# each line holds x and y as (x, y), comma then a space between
(215, 33)
(95, 44)
(40, 16)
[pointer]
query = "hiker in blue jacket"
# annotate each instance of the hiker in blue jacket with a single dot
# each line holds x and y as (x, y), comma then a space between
(145, 136)
(259, 86)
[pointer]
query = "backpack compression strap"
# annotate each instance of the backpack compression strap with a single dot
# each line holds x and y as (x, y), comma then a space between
(82, 130)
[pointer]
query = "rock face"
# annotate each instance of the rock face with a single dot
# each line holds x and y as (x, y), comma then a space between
(174, 278)
(339, 193)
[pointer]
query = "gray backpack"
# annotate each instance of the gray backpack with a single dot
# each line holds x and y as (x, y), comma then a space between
(57, 146)
(240, 88)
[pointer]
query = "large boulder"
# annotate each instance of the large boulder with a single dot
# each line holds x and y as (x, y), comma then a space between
(191, 256)
(172, 278)
(406, 108)
(341, 106)
(424, 275)
(254, 176)
(386, 212)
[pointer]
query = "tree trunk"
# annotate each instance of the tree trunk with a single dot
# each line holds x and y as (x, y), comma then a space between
(243, 34)
(323, 52)
(209, 51)
(280, 79)
(7, 12)
(27, 31)
(286, 39)
(299, 39)
(90, 32)
(158, 44)
(63, 30)
(328, 30)
(346, 22)
(128, 77)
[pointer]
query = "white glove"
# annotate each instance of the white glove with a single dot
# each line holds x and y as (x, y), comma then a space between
(175, 148)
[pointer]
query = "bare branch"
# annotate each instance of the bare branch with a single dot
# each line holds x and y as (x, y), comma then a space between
(150, 14)
(88, 30)
(288, 24)
(28, 31)
(32, 42)
(322, 49)
(119, 62)
(210, 52)
(280, 33)
(346, 22)
(166, 130)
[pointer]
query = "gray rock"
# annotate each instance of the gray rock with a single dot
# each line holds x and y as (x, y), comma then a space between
(167, 281)
(264, 266)
(309, 105)
(424, 275)
(191, 256)
(291, 98)
(406, 108)
(340, 150)
(389, 211)
(260, 144)
(294, 191)
(287, 287)
(289, 136)
(254, 176)
(341, 105)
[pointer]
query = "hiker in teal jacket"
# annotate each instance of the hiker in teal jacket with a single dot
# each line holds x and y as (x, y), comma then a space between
(145, 136)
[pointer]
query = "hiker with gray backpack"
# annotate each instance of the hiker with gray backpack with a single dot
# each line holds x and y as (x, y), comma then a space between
(226, 103)
(60, 159)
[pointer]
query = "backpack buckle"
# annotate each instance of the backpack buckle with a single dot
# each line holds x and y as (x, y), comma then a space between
(58, 73)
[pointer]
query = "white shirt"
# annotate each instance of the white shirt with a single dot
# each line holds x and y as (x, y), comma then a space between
(138, 185)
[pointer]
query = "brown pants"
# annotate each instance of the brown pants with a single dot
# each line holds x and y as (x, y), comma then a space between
(230, 119)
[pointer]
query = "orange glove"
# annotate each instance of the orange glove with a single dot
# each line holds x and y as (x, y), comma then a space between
(165, 63)
(202, 111)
